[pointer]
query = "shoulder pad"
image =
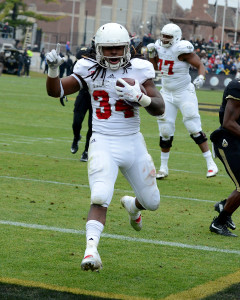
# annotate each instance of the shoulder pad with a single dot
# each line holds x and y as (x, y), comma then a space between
(182, 47)
(82, 65)
(86, 62)
(144, 69)
(233, 90)
(139, 63)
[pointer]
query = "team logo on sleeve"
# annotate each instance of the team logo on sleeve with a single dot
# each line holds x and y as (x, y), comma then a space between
(224, 143)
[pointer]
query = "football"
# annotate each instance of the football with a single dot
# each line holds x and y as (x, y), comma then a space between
(131, 81)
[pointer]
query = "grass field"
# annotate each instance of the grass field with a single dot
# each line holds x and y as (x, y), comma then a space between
(45, 200)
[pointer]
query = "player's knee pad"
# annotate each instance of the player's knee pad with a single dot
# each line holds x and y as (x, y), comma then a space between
(191, 118)
(165, 144)
(146, 189)
(153, 200)
(199, 137)
(100, 194)
(166, 130)
(189, 111)
(193, 125)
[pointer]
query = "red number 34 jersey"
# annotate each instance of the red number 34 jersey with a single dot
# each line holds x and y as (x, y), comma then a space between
(111, 115)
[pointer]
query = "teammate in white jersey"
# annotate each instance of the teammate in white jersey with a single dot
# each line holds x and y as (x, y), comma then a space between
(116, 141)
(172, 57)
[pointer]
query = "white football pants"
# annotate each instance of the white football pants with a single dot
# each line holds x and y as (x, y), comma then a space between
(186, 101)
(128, 153)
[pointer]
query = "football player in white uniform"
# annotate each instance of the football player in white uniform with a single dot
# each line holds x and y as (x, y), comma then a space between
(116, 141)
(172, 57)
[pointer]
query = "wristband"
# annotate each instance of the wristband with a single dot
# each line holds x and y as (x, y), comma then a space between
(145, 100)
(201, 77)
(53, 73)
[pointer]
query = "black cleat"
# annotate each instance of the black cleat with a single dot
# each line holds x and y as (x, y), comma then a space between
(220, 228)
(74, 147)
(84, 156)
(219, 207)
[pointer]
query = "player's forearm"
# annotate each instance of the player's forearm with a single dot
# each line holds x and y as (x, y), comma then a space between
(156, 107)
(53, 87)
(201, 70)
(233, 127)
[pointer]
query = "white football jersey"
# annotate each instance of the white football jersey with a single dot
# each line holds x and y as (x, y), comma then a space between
(111, 115)
(175, 73)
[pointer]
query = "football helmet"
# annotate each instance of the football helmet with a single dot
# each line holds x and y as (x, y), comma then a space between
(112, 34)
(173, 31)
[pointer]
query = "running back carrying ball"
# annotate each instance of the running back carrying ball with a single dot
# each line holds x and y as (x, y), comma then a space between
(131, 82)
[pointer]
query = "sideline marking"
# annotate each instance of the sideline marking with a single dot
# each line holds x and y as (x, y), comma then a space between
(209, 107)
(87, 186)
(120, 237)
(207, 289)
(65, 289)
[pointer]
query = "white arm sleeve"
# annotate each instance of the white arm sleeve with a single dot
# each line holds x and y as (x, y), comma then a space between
(78, 80)
(62, 90)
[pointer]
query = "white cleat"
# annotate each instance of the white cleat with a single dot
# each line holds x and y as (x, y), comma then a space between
(212, 170)
(134, 218)
(162, 173)
(92, 260)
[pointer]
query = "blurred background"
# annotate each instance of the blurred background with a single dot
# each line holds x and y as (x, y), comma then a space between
(32, 28)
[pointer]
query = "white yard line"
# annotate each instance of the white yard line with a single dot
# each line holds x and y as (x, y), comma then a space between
(121, 237)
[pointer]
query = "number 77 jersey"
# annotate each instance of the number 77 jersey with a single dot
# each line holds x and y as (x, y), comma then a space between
(175, 73)
(111, 115)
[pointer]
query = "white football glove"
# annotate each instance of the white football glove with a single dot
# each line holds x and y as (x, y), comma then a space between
(199, 81)
(151, 50)
(54, 60)
(129, 92)
(132, 93)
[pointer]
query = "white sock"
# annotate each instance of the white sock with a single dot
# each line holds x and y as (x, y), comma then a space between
(208, 156)
(134, 212)
(164, 159)
(93, 232)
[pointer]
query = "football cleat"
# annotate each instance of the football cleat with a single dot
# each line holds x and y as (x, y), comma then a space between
(84, 156)
(74, 147)
(212, 170)
(91, 260)
(162, 173)
(221, 229)
(219, 207)
(135, 219)
(136, 224)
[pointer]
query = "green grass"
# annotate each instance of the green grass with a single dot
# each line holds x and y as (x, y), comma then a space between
(43, 183)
